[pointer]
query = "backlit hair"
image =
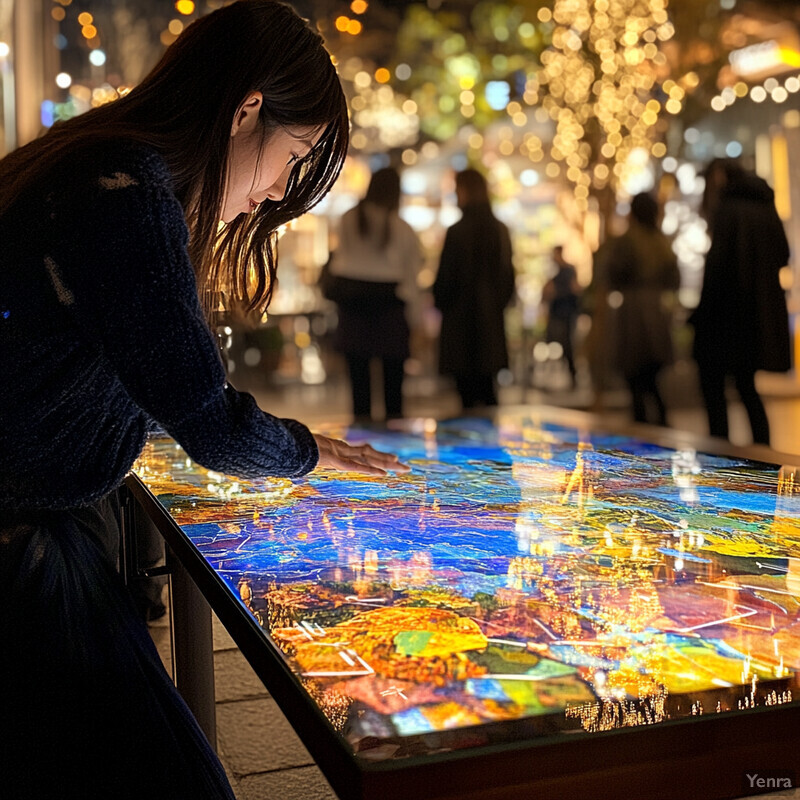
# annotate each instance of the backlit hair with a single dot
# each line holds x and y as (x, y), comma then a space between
(184, 109)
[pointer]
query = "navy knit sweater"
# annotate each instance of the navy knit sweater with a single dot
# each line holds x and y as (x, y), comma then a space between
(101, 333)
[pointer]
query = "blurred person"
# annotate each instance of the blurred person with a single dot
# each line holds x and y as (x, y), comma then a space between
(641, 276)
(372, 278)
(473, 287)
(111, 247)
(561, 296)
(741, 322)
(597, 344)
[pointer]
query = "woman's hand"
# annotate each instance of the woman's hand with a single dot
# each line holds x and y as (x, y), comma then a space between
(339, 455)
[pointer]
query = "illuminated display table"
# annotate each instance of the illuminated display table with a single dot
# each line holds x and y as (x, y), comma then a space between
(537, 609)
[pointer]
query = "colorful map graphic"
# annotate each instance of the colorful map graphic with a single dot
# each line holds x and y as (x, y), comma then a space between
(521, 571)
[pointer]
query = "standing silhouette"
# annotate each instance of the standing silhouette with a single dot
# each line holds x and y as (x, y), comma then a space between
(642, 269)
(741, 322)
(372, 277)
(473, 286)
(561, 294)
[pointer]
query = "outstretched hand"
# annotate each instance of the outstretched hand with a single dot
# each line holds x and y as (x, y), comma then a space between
(339, 455)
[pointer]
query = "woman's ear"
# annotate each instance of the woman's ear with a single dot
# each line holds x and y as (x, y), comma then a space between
(245, 120)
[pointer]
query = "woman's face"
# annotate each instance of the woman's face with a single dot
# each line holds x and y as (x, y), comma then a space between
(257, 173)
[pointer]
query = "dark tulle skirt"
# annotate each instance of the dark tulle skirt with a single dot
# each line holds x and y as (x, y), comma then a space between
(86, 707)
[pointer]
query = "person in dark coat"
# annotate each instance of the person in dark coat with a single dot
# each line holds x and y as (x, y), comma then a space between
(473, 286)
(741, 323)
(642, 270)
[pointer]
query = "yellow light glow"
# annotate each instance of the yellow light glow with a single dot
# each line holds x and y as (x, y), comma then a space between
(382, 75)
(175, 27)
(341, 23)
(89, 31)
(475, 141)
(354, 27)
(85, 18)
(791, 119)
(780, 176)
(430, 149)
(409, 107)
(185, 7)
(58, 14)
(601, 172)
(691, 79)
(659, 150)
(358, 6)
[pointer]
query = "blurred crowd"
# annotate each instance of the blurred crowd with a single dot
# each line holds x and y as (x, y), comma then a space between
(629, 310)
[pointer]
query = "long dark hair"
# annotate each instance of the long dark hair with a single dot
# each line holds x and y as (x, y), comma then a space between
(718, 173)
(472, 189)
(482, 229)
(384, 192)
(184, 108)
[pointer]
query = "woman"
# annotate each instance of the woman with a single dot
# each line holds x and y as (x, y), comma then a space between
(373, 280)
(642, 268)
(110, 251)
(473, 286)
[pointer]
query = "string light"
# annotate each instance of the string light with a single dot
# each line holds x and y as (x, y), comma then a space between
(598, 76)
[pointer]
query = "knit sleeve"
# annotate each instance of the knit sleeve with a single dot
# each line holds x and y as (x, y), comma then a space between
(122, 263)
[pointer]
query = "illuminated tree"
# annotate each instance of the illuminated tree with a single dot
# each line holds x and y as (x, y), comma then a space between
(599, 80)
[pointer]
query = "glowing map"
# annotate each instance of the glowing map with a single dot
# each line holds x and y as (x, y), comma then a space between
(522, 571)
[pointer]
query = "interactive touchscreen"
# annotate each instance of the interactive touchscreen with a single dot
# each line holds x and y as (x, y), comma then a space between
(523, 574)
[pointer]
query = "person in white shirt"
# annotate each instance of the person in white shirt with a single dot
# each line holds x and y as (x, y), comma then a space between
(372, 277)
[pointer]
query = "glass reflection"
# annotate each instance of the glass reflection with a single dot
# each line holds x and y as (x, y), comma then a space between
(521, 571)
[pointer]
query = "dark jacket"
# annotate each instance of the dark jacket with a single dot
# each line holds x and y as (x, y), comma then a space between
(473, 286)
(741, 321)
(101, 333)
(643, 269)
